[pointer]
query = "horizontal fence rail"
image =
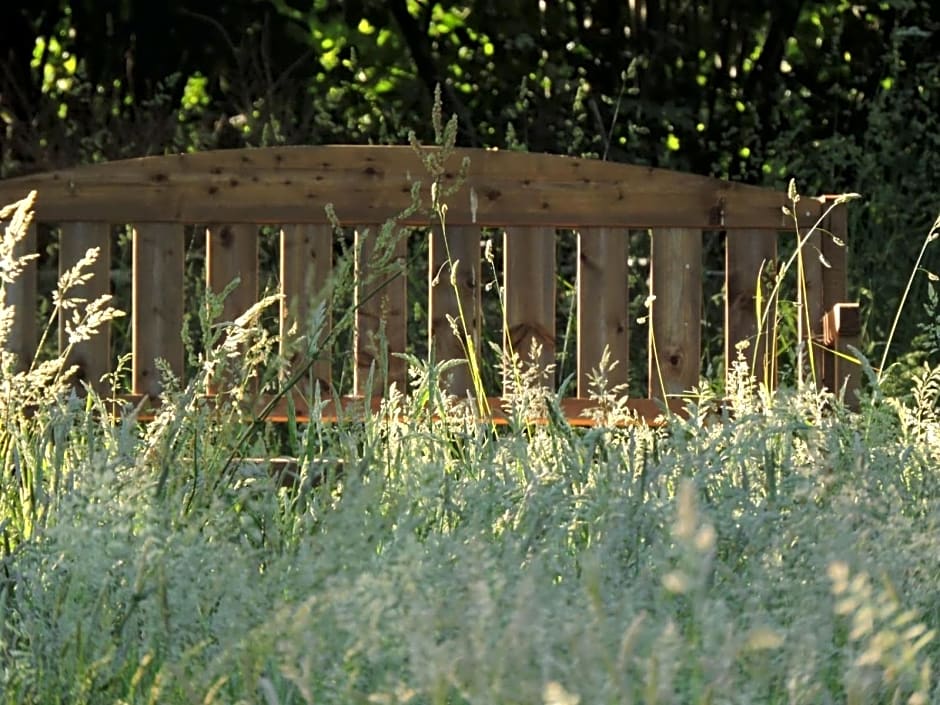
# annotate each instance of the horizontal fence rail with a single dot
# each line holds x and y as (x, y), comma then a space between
(529, 198)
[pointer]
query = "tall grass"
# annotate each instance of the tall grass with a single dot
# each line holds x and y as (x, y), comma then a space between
(786, 554)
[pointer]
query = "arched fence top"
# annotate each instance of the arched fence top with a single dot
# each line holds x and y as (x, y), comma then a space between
(370, 184)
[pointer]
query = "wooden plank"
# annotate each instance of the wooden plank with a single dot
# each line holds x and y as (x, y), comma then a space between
(232, 252)
(156, 303)
(750, 258)
(676, 283)
(603, 304)
(529, 293)
(381, 311)
(306, 264)
(457, 294)
(22, 295)
(93, 356)
(368, 184)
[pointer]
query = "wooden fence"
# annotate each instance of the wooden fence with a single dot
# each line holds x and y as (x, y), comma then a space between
(529, 197)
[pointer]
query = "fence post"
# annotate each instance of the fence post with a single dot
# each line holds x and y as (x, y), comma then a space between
(842, 326)
(827, 322)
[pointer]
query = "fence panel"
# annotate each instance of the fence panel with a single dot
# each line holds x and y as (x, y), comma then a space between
(455, 294)
(92, 356)
(676, 317)
(603, 303)
(529, 272)
(156, 303)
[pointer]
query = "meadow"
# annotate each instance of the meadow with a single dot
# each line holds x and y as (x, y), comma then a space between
(784, 550)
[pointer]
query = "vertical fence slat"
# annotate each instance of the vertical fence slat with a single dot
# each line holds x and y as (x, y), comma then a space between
(22, 295)
(529, 271)
(92, 356)
(232, 251)
(750, 256)
(156, 303)
(676, 283)
(603, 304)
(463, 246)
(382, 306)
(306, 265)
